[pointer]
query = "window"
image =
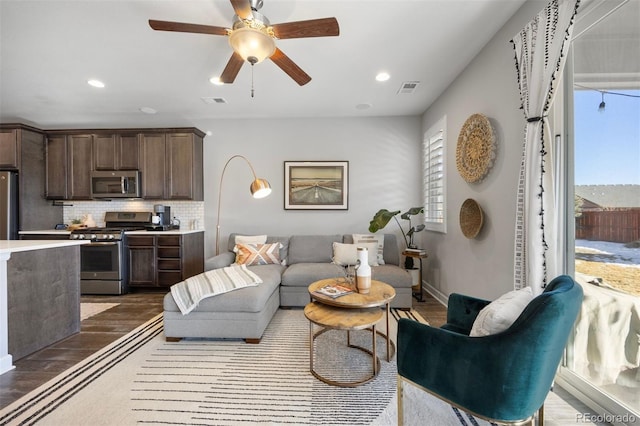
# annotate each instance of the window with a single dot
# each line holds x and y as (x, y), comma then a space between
(602, 105)
(434, 155)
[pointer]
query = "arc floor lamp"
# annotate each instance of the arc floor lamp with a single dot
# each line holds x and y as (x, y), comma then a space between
(259, 188)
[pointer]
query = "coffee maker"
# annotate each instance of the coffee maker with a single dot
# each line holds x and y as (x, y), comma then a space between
(164, 212)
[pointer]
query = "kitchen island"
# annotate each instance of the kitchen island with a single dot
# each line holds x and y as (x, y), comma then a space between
(39, 295)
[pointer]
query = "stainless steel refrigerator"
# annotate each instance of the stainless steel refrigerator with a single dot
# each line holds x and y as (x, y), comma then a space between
(8, 205)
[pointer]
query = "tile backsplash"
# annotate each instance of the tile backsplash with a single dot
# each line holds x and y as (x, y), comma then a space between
(189, 213)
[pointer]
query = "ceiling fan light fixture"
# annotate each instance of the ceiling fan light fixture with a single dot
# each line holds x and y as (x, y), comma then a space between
(250, 42)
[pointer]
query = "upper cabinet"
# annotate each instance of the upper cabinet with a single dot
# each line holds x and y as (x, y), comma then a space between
(9, 149)
(68, 168)
(184, 166)
(170, 161)
(172, 165)
(116, 151)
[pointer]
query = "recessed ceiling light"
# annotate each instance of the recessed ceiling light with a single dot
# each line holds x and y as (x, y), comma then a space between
(383, 76)
(216, 81)
(148, 110)
(95, 83)
(363, 106)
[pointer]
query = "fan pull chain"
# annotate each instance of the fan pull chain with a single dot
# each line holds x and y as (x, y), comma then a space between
(252, 60)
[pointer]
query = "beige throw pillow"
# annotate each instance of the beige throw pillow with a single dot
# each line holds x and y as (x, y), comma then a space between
(251, 239)
(347, 254)
(371, 238)
(498, 315)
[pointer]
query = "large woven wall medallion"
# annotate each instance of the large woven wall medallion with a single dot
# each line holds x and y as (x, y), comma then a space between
(476, 148)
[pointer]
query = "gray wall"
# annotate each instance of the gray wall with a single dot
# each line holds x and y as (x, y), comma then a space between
(482, 267)
(384, 172)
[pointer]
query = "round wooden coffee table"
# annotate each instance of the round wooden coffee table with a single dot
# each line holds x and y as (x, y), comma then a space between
(353, 311)
(334, 318)
(380, 294)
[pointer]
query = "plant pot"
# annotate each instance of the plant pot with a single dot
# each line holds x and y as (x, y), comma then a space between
(415, 278)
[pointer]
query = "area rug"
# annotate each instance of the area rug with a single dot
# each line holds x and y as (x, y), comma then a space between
(142, 379)
(87, 310)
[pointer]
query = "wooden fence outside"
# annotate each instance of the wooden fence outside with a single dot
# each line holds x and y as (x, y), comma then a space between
(617, 226)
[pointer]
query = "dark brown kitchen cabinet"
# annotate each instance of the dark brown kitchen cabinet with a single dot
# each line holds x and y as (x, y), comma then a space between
(141, 257)
(9, 149)
(172, 166)
(116, 151)
(170, 161)
(69, 165)
(184, 166)
(164, 260)
(80, 166)
(153, 168)
(22, 148)
(56, 168)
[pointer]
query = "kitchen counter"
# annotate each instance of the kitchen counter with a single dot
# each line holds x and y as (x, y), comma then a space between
(170, 232)
(142, 232)
(39, 295)
(12, 246)
(46, 232)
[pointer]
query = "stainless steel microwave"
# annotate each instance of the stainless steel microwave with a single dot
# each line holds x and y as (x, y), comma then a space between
(115, 184)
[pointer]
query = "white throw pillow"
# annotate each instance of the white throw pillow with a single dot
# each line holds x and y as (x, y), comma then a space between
(347, 254)
(498, 315)
(371, 238)
(251, 239)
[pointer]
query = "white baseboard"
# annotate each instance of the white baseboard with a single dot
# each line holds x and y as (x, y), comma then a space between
(439, 296)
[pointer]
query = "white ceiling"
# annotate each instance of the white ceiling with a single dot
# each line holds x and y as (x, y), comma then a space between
(49, 49)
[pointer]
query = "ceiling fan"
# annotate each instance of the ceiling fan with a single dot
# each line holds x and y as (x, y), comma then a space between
(253, 38)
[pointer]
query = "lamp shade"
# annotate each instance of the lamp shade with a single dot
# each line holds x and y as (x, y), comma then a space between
(260, 188)
(251, 42)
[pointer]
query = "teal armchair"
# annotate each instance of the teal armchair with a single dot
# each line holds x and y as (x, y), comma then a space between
(504, 377)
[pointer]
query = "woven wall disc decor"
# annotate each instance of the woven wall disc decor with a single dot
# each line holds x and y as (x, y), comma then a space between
(476, 148)
(471, 218)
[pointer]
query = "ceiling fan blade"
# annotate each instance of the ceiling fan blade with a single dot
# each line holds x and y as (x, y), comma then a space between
(289, 67)
(231, 70)
(186, 28)
(242, 8)
(323, 27)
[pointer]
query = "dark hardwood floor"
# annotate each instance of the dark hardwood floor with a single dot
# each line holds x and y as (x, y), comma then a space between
(96, 332)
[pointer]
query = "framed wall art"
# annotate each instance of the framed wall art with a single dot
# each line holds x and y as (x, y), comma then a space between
(316, 185)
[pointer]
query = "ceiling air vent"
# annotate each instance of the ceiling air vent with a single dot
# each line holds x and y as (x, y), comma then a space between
(408, 87)
(214, 100)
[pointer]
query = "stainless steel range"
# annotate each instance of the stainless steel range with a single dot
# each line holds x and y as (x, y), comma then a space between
(103, 266)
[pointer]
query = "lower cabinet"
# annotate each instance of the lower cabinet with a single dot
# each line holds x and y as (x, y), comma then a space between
(164, 260)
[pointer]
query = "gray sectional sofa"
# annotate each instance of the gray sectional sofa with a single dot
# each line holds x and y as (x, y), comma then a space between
(246, 312)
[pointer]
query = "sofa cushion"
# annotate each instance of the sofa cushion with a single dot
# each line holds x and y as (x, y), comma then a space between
(249, 299)
(312, 248)
(392, 275)
(284, 250)
(303, 274)
(251, 239)
(257, 254)
(378, 240)
(390, 250)
(347, 254)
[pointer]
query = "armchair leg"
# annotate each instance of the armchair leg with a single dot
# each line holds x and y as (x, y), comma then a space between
(400, 402)
(541, 416)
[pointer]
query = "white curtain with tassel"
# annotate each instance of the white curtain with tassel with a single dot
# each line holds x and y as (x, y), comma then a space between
(540, 49)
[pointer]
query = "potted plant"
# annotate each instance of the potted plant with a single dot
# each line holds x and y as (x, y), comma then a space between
(383, 216)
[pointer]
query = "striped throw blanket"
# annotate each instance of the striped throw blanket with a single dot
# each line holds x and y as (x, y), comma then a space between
(190, 292)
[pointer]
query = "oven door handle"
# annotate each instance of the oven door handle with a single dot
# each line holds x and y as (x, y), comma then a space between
(96, 243)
